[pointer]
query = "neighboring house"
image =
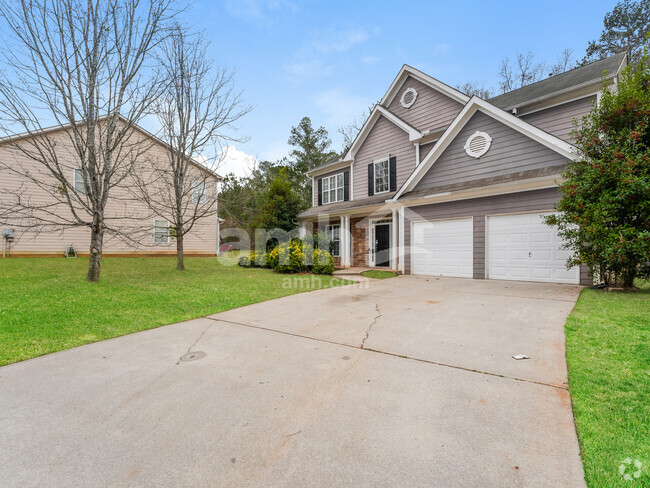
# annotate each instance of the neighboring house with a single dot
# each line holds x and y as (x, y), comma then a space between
(439, 183)
(151, 232)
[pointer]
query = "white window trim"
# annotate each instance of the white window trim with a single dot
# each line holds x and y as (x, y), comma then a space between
(374, 175)
(196, 185)
(335, 189)
(329, 230)
(74, 182)
(154, 231)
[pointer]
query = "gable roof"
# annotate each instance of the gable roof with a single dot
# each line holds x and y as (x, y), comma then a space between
(474, 105)
(377, 112)
(569, 80)
(145, 132)
(439, 86)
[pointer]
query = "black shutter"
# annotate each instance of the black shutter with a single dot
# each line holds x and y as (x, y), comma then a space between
(371, 179)
(392, 164)
(346, 186)
(320, 191)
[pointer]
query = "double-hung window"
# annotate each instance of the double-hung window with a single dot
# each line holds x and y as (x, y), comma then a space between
(160, 231)
(334, 233)
(78, 182)
(333, 189)
(198, 192)
(381, 176)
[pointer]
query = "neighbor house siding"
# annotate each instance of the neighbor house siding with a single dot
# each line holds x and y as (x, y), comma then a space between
(559, 120)
(384, 139)
(479, 208)
(431, 109)
(510, 152)
(121, 207)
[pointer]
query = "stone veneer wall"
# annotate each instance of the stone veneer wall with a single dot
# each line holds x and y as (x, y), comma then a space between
(359, 229)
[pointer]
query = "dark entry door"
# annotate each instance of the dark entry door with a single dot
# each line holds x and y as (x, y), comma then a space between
(382, 245)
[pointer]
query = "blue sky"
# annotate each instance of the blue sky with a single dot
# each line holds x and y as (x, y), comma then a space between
(329, 60)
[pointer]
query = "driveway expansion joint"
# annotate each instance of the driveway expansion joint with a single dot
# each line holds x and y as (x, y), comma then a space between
(395, 355)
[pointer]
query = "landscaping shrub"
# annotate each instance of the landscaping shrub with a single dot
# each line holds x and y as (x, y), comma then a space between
(290, 258)
(323, 262)
(244, 262)
(272, 258)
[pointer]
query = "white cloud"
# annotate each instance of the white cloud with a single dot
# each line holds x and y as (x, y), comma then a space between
(302, 70)
(259, 11)
(340, 107)
(443, 48)
(339, 40)
(369, 60)
(235, 161)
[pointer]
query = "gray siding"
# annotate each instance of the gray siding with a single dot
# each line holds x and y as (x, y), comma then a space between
(510, 152)
(559, 120)
(479, 208)
(424, 150)
(431, 109)
(384, 139)
(320, 177)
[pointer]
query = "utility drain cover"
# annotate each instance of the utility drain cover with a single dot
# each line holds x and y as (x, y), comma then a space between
(192, 356)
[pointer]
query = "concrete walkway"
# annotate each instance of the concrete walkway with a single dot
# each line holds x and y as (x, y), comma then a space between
(405, 382)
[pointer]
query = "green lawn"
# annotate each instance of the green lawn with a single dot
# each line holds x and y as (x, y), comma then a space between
(608, 353)
(378, 274)
(46, 305)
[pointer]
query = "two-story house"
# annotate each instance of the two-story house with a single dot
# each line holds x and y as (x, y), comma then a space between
(440, 183)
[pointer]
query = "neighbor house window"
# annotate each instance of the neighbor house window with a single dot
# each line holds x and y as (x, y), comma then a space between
(198, 192)
(78, 181)
(381, 176)
(333, 189)
(160, 231)
(334, 232)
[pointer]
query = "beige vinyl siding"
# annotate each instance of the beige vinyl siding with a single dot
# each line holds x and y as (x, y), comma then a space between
(320, 177)
(424, 150)
(478, 208)
(559, 120)
(121, 205)
(510, 152)
(384, 139)
(431, 109)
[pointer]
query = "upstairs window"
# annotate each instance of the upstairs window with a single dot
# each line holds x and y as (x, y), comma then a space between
(160, 231)
(78, 182)
(198, 192)
(334, 232)
(333, 189)
(381, 176)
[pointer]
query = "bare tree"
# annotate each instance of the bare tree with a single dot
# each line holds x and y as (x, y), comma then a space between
(196, 112)
(352, 129)
(85, 66)
(523, 71)
(474, 88)
(564, 62)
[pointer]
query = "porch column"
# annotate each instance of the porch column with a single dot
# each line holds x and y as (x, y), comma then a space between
(302, 229)
(402, 251)
(393, 242)
(344, 241)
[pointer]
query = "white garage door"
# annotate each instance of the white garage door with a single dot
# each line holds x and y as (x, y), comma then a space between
(443, 248)
(523, 248)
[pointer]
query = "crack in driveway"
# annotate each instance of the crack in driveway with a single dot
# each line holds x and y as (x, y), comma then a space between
(193, 345)
(374, 321)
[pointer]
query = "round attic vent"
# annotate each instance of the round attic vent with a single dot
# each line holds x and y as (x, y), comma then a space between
(408, 97)
(478, 144)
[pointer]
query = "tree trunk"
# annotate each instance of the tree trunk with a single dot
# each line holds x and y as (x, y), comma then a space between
(96, 243)
(628, 278)
(179, 253)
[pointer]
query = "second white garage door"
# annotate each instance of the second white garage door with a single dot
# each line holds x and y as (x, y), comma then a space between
(523, 248)
(443, 248)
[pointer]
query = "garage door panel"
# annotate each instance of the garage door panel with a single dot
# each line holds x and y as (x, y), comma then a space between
(443, 248)
(522, 247)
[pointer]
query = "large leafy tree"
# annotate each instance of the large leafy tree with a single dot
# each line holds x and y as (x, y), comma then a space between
(625, 29)
(280, 205)
(605, 205)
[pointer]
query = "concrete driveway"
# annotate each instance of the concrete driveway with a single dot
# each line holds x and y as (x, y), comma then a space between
(406, 382)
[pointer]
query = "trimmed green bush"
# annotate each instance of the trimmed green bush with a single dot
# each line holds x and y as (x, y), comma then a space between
(323, 262)
(272, 258)
(290, 258)
(244, 262)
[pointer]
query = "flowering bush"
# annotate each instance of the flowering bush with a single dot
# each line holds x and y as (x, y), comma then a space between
(290, 258)
(323, 262)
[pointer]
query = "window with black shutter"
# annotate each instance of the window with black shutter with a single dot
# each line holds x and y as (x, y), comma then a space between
(393, 173)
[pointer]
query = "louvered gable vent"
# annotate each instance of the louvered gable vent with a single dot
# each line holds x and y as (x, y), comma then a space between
(478, 144)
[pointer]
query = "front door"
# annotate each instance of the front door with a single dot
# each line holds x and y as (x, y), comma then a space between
(382, 245)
